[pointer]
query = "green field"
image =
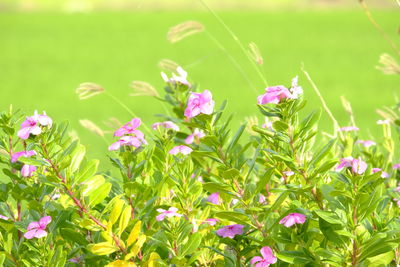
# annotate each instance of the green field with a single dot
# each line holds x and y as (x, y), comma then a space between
(44, 57)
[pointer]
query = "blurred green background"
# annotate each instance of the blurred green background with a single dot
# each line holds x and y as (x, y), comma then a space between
(47, 48)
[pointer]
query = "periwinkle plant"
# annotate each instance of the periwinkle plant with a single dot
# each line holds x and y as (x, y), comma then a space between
(190, 193)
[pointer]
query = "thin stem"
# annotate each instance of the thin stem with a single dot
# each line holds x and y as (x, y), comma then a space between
(119, 102)
(233, 60)
(324, 105)
(236, 39)
(77, 202)
(378, 27)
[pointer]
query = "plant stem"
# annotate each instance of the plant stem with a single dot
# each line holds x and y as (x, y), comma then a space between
(233, 60)
(119, 102)
(378, 27)
(78, 203)
(324, 105)
(236, 39)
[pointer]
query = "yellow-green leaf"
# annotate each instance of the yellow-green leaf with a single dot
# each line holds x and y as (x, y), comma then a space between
(152, 262)
(124, 219)
(116, 211)
(134, 233)
(103, 248)
(121, 263)
(136, 248)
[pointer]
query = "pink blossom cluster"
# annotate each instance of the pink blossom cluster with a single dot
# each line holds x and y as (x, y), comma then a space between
(349, 129)
(383, 174)
(195, 136)
(275, 94)
(366, 143)
(33, 125)
(27, 170)
(199, 103)
(166, 125)
(129, 134)
(358, 166)
(182, 149)
(171, 212)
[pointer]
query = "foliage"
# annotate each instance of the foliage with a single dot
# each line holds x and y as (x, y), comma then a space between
(156, 210)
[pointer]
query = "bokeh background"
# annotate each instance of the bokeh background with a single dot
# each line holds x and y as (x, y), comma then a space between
(49, 47)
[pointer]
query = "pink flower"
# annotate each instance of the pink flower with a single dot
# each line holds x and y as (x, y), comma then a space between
(196, 135)
(214, 198)
(185, 150)
(181, 78)
(267, 258)
(267, 124)
(231, 230)
(171, 212)
(397, 189)
(349, 129)
(32, 125)
(344, 163)
(262, 199)
(211, 221)
(366, 143)
(292, 219)
(4, 217)
(129, 128)
(166, 125)
(358, 166)
(15, 156)
(381, 122)
(274, 95)
(199, 103)
(28, 170)
(383, 175)
(396, 166)
(129, 140)
(37, 229)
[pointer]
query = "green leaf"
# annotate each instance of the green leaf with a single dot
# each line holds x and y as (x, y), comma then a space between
(231, 173)
(2, 259)
(293, 257)
(235, 139)
(74, 236)
(33, 161)
(92, 185)
(380, 260)
(77, 157)
(280, 126)
(99, 194)
(192, 244)
(328, 216)
(322, 153)
(308, 123)
(88, 171)
(233, 216)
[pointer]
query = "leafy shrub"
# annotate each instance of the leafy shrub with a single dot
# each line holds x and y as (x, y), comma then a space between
(190, 192)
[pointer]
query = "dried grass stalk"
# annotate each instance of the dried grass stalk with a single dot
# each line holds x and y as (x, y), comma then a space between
(88, 89)
(91, 126)
(143, 88)
(183, 30)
